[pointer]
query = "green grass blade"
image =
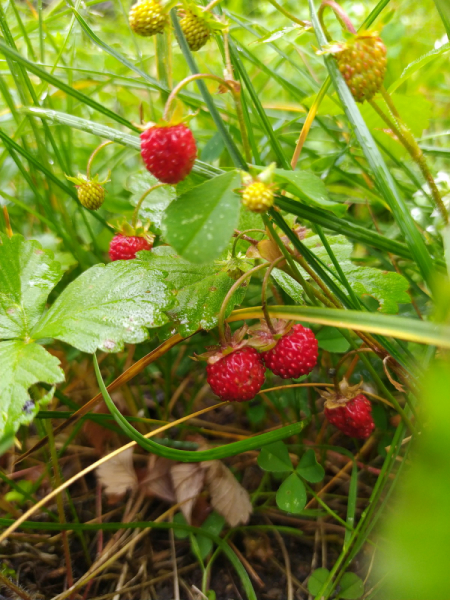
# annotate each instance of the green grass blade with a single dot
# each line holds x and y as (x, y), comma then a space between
(351, 503)
(55, 81)
(225, 451)
(48, 174)
(344, 226)
(381, 173)
(444, 10)
(125, 139)
(267, 128)
(236, 156)
(154, 83)
(404, 328)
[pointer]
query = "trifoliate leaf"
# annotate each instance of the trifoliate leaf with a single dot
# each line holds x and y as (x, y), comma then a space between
(309, 468)
(21, 366)
(201, 289)
(275, 457)
(27, 276)
(317, 579)
(351, 587)
(291, 495)
(107, 306)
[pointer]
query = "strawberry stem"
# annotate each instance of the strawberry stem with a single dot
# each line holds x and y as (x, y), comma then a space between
(233, 86)
(289, 15)
(93, 155)
(241, 235)
(141, 200)
(341, 15)
(231, 291)
(264, 292)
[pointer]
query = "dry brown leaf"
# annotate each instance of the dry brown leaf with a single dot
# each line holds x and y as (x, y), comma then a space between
(157, 481)
(228, 496)
(118, 475)
(187, 481)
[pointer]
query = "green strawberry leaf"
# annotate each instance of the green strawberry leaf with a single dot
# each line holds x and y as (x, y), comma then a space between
(201, 289)
(317, 579)
(107, 306)
(332, 340)
(291, 495)
(154, 205)
(309, 188)
(387, 287)
(27, 276)
(351, 587)
(309, 468)
(200, 222)
(275, 458)
(23, 365)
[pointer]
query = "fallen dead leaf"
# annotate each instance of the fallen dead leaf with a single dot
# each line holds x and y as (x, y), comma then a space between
(187, 479)
(157, 481)
(118, 475)
(228, 496)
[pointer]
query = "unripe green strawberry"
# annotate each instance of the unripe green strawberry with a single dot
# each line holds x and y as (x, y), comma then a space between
(362, 62)
(196, 30)
(258, 196)
(91, 195)
(90, 192)
(147, 18)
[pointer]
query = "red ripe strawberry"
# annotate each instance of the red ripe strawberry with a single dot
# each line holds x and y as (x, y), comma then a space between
(124, 247)
(168, 152)
(352, 417)
(237, 376)
(294, 354)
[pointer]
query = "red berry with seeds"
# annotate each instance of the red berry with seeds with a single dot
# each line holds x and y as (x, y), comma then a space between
(169, 152)
(295, 354)
(237, 376)
(124, 247)
(353, 417)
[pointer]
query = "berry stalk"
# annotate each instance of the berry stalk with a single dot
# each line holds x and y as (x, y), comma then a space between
(243, 234)
(289, 15)
(141, 200)
(234, 287)
(94, 154)
(264, 293)
(235, 89)
(340, 13)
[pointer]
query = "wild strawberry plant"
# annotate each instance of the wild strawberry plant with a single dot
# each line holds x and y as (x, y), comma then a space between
(263, 199)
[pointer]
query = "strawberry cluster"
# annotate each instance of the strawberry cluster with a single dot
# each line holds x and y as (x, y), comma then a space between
(236, 371)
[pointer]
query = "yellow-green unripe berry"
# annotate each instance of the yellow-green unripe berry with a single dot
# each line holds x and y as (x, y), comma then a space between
(147, 18)
(91, 194)
(195, 29)
(258, 197)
